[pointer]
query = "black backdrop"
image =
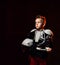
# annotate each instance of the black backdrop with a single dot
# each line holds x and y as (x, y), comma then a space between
(17, 19)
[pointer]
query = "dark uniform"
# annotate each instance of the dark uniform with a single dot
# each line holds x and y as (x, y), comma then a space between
(38, 39)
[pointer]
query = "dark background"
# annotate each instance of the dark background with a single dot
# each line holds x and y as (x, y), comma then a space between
(17, 19)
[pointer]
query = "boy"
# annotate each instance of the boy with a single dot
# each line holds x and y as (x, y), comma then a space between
(39, 42)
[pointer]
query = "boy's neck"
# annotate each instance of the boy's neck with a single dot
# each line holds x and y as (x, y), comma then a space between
(40, 29)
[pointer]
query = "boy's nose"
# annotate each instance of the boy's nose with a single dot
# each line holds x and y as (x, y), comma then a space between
(36, 24)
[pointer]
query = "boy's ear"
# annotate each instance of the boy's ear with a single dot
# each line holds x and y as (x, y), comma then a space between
(43, 25)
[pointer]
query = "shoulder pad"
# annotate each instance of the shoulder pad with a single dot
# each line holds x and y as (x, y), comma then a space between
(48, 31)
(32, 30)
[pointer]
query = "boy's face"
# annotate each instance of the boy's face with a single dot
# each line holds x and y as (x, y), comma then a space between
(39, 23)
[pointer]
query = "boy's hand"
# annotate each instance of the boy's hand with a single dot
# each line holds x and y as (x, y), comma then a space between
(48, 49)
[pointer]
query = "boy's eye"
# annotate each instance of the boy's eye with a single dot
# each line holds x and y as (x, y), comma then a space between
(38, 22)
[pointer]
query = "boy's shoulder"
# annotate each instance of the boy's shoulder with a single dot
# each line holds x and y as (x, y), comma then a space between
(48, 31)
(33, 30)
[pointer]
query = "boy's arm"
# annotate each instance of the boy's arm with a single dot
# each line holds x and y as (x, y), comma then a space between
(25, 45)
(49, 40)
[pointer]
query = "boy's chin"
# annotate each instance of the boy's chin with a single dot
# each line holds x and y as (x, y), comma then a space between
(38, 28)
